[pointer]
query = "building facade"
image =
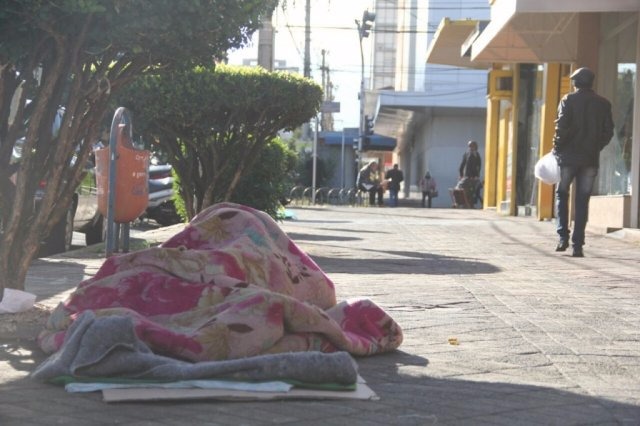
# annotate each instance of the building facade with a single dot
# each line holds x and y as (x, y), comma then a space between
(530, 48)
(431, 110)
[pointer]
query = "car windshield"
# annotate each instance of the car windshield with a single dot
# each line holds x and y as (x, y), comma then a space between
(18, 146)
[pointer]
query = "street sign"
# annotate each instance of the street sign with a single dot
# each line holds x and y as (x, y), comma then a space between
(328, 106)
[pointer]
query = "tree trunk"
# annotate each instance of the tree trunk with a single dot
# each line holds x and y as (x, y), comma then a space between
(15, 259)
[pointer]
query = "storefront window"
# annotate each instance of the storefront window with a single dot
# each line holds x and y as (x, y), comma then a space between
(615, 160)
(530, 102)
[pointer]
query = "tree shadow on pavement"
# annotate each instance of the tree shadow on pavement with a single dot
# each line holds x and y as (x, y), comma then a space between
(404, 263)
(312, 237)
(321, 221)
(300, 237)
(388, 262)
(21, 354)
(49, 277)
(358, 231)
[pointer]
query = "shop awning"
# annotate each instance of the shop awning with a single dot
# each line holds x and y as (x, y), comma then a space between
(534, 31)
(378, 142)
(448, 44)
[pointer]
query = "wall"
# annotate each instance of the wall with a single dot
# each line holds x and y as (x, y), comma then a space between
(458, 85)
(440, 142)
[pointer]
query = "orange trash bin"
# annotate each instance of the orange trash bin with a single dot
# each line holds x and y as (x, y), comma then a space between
(132, 179)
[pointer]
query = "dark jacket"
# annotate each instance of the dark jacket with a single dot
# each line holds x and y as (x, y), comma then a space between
(470, 165)
(395, 176)
(583, 128)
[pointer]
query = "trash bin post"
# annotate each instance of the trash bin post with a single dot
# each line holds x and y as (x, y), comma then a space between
(122, 175)
(112, 238)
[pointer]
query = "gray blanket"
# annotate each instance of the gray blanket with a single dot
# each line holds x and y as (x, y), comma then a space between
(107, 347)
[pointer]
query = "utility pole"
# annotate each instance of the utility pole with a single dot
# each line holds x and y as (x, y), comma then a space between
(328, 122)
(307, 73)
(266, 40)
(323, 69)
(364, 29)
(307, 40)
(306, 127)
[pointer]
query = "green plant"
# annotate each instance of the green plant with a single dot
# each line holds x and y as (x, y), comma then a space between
(217, 124)
(79, 54)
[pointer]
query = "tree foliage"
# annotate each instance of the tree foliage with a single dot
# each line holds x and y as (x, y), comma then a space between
(266, 184)
(79, 53)
(304, 170)
(215, 125)
(269, 180)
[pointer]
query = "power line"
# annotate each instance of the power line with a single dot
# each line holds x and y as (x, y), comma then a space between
(434, 8)
(429, 72)
(374, 30)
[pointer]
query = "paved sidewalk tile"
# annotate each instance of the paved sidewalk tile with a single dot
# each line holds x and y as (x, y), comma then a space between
(499, 329)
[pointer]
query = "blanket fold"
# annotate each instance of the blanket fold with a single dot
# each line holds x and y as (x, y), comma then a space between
(108, 347)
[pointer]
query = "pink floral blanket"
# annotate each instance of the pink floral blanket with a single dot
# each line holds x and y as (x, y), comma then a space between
(230, 285)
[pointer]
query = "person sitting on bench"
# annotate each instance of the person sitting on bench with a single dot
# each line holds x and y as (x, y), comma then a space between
(369, 181)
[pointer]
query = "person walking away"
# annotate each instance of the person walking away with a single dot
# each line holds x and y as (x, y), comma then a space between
(369, 181)
(394, 177)
(584, 126)
(428, 188)
(469, 172)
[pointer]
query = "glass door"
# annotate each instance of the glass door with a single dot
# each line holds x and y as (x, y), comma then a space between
(615, 160)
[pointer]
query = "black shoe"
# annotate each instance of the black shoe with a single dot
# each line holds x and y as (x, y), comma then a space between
(577, 252)
(562, 245)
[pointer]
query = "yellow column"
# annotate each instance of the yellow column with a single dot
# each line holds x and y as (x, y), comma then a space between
(499, 112)
(503, 142)
(491, 153)
(547, 123)
(512, 143)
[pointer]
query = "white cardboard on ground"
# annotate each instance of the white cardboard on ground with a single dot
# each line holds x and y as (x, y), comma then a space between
(362, 392)
(16, 301)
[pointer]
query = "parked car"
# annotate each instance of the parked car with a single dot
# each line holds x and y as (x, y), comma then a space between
(82, 214)
(161, 207)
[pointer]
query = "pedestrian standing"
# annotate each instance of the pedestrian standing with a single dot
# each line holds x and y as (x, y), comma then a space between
(469, 172)
(428, 188)
(394, 177)
(584, 126)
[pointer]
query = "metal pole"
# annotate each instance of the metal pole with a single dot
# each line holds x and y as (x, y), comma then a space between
(111, 196)
(112, 243)
(342, 162)
(314, 158)
(307, 40)
(361, 131)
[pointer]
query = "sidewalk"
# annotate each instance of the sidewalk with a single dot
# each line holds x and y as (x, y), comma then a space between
(499, 329)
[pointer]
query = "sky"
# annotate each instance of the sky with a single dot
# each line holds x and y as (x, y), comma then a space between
(333, 29)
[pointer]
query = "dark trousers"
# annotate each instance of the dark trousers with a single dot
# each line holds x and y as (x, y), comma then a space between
(426, 196)
(584, 177)
(393, 197)
(377, 189)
